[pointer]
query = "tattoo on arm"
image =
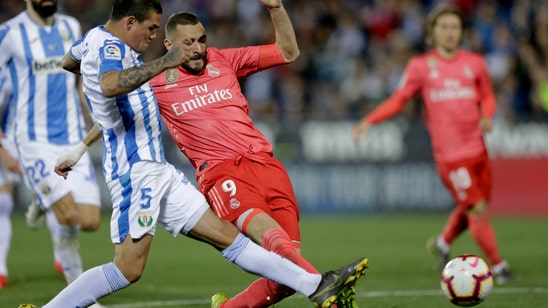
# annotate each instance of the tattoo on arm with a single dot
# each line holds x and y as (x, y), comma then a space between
(133, 78)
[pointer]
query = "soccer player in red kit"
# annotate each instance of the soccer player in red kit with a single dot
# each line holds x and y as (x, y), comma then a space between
(460, 104)
(207, 115)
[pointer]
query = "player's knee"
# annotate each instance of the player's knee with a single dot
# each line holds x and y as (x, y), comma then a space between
(130, 271)
(89, 224)
(479, 208)
(68, 217)
(133, 275)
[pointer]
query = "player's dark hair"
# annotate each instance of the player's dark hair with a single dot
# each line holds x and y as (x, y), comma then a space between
(140, 9)
(181, 18)
(433, 16)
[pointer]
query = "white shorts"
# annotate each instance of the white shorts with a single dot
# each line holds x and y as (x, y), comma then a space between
(37, 160)
(6, 176)
(153, 193)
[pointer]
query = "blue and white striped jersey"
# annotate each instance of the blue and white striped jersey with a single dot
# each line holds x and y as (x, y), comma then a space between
(47, 108)
(6, 120)
(131, 124)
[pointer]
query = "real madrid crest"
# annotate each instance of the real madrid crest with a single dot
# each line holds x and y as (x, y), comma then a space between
(432, 63)
(433, 66)
(467, 71)
(212, 70)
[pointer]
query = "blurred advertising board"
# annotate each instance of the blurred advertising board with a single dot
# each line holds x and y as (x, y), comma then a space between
(393, 170)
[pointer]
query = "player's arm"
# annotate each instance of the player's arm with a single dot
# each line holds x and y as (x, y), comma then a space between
(488, 102)
(69, 64)
(66, 161)
(114, 83)
(387, 109)
(9, 162)
(285, 34)
(410, 83)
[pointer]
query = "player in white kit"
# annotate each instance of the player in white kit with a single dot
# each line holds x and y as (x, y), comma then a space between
(10, 173)
(48, 120)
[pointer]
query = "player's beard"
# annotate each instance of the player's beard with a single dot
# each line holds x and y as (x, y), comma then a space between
(44, 10)
(193, 69)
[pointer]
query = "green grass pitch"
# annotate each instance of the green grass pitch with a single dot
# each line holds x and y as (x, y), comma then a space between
(184, 273)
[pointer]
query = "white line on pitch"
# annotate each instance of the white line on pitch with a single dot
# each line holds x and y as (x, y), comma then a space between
(400, 293)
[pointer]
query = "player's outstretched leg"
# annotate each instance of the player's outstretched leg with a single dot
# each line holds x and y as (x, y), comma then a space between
(336, 283)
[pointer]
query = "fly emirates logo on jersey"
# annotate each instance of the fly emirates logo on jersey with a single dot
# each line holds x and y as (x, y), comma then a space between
(452, 90)
(201, 96)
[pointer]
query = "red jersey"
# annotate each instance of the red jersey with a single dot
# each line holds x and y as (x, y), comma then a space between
(457, 92)
(206, 114)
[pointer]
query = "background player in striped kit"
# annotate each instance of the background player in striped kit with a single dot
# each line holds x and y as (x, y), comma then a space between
(48, 120)
(10, 173)
(460, 104)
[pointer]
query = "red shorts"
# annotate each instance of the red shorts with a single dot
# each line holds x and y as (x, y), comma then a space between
(468, 180)
(258, 181)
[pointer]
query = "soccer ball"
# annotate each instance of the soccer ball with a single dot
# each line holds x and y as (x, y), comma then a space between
(466, 280)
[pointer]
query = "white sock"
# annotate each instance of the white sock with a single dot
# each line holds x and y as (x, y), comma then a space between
(6, 206)
(53, 227)
(442, 244)
(255, 259)
(90, 286)
(499, 267)
(66, 247)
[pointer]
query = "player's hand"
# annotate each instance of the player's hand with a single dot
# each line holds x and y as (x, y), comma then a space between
(63, 169)
(177, 54)
(361, 129)
(486, 125)
(9, 162)
(271, 4)
(66, 161)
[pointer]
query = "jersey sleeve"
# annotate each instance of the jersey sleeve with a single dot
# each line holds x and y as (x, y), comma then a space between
(4, 45)
(487, 95)
(75, 51)
(410, 83)
(387, 109)
(411, 80)
(5, 87)
(110, 56)
(244, 61)
(270, 56)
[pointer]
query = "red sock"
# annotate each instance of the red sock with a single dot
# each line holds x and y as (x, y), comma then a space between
(484, 235)
(278, 241)
(263, 292)
(260, 293)
(456, 224)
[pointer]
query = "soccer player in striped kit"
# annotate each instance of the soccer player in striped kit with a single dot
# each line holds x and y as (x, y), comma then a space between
(48, 120)
(10, 173)
(460, 104)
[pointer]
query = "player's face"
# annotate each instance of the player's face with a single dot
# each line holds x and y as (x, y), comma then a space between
(195, 37)
(447, 32)
(44, 8)
(142, 34)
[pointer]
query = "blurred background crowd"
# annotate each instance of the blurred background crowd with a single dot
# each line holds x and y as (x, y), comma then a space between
(353, 52)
